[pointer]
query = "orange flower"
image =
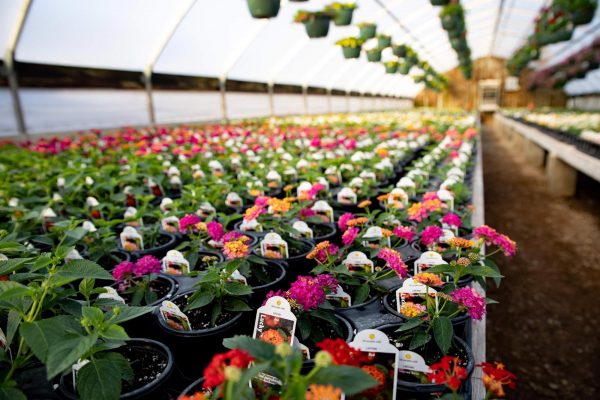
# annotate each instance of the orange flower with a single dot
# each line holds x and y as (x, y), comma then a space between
(383, 197)
(321, 246)
(386, 232)
(357, 221)
(322, 392)
(278, 206)
(288, 188)
(460, 243)
(364, 204)
(272, 336)
(272, 254)
(428, 279)
(236, 248)
(412, 310)
(379, 377)
(195, 396)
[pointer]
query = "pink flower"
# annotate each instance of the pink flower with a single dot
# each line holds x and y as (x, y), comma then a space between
(233, 235)
(430, 196)
(123, 270)
(147, 265)
(187, 222)
(307, 212)
(452, 219)
(307, 292)
(261, 201)
(470, 299)
(431, 235)
(321, 255)
(394, 261)
(490, 236)
(405, 232)
(328, 282)
(349, 236)
(215, 230)
(344, 220)
(316, 188)
(273, 293)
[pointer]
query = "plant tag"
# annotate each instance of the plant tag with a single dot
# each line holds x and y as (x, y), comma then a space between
(111, 294)
(170, 224)
(236, 276)
(174, 317)
(398, 198)
(251, 225)
(305, 350)
(131, 240)
(273, 179)
(303, 229)
(339, 298)
(155, 188)
(216, 168)
(174, 263)
(410, 291)
(428, 260)
(324, 210)
(233, 200)
(131, 212)
(368, 176)
(275, 323)
(75, 370)
(73, 255)
(130, 200)
(48, 215)
(446, 197)
(347, 196)
(333, 176)
(175, 182)
(273, 246)
(206, 210)
(89, 226)
(383, 359)
(409, 361)
(408, 184)
(357, 261)
(447, 235)
(303, 189)
(166, 205)
(373, 238)
(291, 174)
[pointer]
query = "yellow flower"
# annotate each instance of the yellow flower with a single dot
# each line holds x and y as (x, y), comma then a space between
(278, 206)
(322, 392)
(412, 310)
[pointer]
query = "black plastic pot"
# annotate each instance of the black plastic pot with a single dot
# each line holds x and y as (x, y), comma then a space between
(425, 390)
(155, 389)
(110, 260)
(259, 292)
(194, 349)
(264, 8)
(459, 323)
(158, 251)
(329, 231)
(317, 26)
(307, 365)
(296, 265)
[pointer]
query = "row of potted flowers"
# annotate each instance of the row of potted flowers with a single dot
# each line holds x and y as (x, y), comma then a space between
(216, 275)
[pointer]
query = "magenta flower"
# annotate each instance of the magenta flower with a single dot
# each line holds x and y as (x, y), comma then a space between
(147, 265)
(307, 212)
(405, 232)
(491, 236)
(430, 196)
(233, 235)
(307, 292)
(349, 236)
(215, 230)
(273, 293)
(431, 235)
(261, 201)
(394, 260)
(452, 220)
(316, 188)
(321, 255)
(328, 282)
(470, 299)
(123, 270)
(188, 221)
(344, 220)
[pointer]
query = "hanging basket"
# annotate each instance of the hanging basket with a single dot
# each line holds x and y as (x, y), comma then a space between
(317, 27)
(404, 69)
(368, 31)
(384, 41)
(399, 51)
(411, 60)
(264, 8)
(391, 69)
(583, 16)
(351, 52)
(343, 17)
(374, 55)
(449, 22)
(439, 2)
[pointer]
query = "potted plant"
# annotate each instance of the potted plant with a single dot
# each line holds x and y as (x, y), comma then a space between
(374, 55)
(367, 30)
(404, 68)
(350, 47)
(316, 23)
(383, 41)
(452, 16)
(439, 2)
(264, 8)
(399, 50)
(342, 12)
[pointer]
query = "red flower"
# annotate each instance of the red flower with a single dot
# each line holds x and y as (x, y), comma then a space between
(342, 353)
(448, 372)
(495, 377)
(214, 374)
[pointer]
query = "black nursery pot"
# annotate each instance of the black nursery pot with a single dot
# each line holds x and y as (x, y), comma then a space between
(460, 322)
(322, 231)
(110, 260)
(275, 271)
(418, 390)
(194, 349)
(297, 264)
(307, 365)
(258, 235)
(148, 358)
(167, 241)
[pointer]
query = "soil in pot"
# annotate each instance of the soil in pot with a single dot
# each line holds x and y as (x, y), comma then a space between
(161, 287)
(109, 260)
(200, 317)
(322, 231)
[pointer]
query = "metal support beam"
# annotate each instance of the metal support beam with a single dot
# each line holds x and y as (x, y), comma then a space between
(270, 88)
(9, 65)
(222, 90)
(305, 98)
(329, 100)
(147, 73)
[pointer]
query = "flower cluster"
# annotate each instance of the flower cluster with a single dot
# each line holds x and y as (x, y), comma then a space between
(342, 353)
(448, 371)
(214, 374)
(470, 299)
(428, 279)
(253, 212)
(394, 260)
(412, 310)
(349, 236)
(144, 266)
(322, 251)
(307, 292)
(189, 223)
(431, 235)
(215, 230)
(452, 220)
(236, 248)
(343, 221)
(405, 232)
(495, 377)
(491, 236)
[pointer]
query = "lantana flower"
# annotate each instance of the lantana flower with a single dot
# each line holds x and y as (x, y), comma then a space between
(394, 260)
(214, 374)
(431, 235)
(449, 372)
(470, 299)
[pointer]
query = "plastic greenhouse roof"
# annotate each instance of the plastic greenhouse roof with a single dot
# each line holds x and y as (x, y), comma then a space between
(220, 39)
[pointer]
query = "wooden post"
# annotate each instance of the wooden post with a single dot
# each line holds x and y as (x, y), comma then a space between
(562, 178)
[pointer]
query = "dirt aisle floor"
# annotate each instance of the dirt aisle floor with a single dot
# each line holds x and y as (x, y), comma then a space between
(546, 328)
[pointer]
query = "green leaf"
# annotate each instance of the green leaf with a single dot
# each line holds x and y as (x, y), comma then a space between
(443, 332)
(80, 269)
(256, 260)
(350, 380)
(114, 332)
(128, 313)
(234, 304)
(304, 327)
(10, 290)
(237, 289)
(482, 270)
(215, 312)
(9, 266)
(256, 348)
(64, 353)
(419, 339)
(119, 362)
(14, 319)
(439, 269)
(9, 247)
(200, 299)
(248, 374)
(93, 314)
(410, 324)
(99, 380)
(11, 393)
(39, 335)
(362, 293)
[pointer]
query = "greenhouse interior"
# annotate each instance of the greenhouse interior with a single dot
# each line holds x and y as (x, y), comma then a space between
(299, 199)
